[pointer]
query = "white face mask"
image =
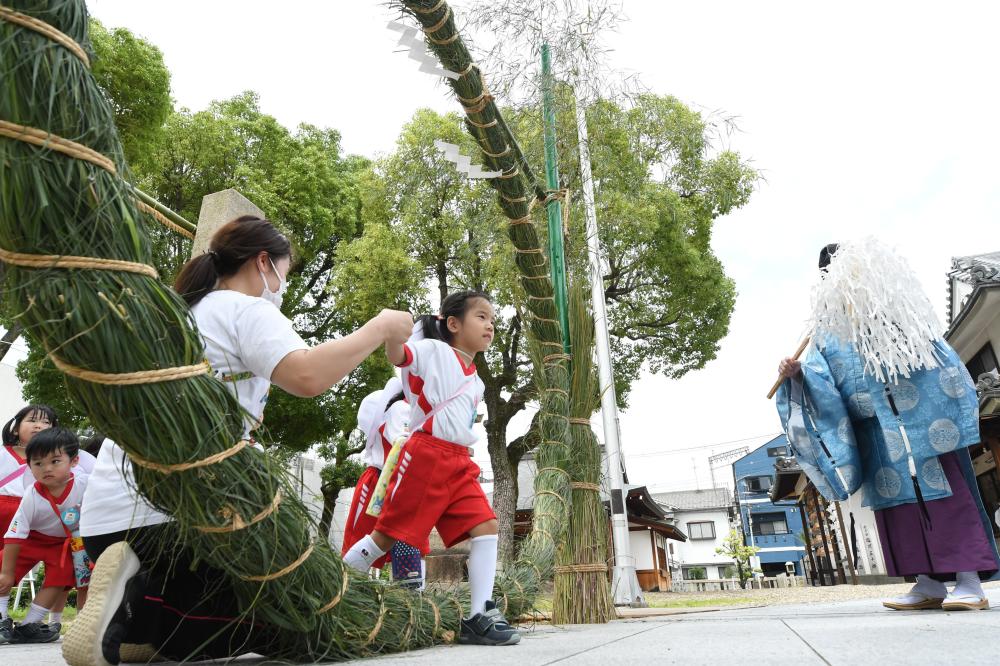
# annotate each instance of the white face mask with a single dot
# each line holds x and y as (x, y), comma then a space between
(274, 297)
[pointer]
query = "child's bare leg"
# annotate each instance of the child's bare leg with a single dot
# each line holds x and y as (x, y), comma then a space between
(81, 597)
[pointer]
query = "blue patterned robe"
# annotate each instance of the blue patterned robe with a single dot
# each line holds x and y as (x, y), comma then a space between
(938, 409)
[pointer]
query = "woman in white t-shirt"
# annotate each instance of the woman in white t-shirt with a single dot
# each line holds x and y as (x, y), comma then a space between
(235, 291)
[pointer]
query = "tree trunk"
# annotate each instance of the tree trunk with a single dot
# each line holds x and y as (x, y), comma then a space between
(330, 493)
(504, 487)
(12, 334)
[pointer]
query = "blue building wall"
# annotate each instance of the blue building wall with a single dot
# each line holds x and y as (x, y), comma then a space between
(778, 543)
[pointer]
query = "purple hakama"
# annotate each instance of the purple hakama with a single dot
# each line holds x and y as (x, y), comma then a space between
(956, 540)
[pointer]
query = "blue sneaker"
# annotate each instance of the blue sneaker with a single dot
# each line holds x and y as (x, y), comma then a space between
(488, 628)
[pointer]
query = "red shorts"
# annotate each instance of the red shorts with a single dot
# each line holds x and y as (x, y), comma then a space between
(8, 507)
(53, 552)
(435, 485)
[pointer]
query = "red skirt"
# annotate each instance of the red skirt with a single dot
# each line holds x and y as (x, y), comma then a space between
(359, 524)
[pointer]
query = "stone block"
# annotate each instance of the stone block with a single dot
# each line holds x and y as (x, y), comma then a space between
(217, 209)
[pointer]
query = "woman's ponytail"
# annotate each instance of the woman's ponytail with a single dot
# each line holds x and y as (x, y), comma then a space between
(233, 245)
(197, 278)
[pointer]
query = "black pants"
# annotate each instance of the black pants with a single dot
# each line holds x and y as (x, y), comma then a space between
(189, 611)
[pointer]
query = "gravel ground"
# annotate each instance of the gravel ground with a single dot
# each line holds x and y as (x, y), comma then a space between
(788, 595)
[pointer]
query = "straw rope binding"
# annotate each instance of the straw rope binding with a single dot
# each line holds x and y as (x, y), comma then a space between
(340, 595)
(43, 28)
(37, 137)
(583, 485)
(283, 572)
(131, 378)
(70, 262)
(236, 521)
(580, 568)
(183, 467)
(163, 219)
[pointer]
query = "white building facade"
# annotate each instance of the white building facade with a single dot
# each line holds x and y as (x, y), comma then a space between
(706, 517)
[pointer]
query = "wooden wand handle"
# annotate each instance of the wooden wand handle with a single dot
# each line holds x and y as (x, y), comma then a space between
(777, 384)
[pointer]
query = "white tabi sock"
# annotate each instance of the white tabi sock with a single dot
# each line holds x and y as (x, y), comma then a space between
(968, 585)
(4, 602)
(482, 571)
(35, 614)
(362, 555)
(929, 587)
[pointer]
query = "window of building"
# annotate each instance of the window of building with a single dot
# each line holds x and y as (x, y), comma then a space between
(694, 573)
(757, 484)
(702, 530)
(727, 571)
(984, 361)
(777, 451)
(765, 524)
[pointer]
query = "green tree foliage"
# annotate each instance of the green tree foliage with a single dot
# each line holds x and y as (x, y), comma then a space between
(734, 547)
(130, 70)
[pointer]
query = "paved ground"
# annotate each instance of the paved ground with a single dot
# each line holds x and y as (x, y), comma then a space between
(850, 633)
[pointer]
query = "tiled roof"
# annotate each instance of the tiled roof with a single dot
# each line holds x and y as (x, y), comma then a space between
(688, 500)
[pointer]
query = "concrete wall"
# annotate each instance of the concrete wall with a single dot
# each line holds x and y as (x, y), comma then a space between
(642, 549)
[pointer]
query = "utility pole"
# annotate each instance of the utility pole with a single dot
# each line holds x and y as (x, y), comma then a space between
(557, 257)
(625, 583)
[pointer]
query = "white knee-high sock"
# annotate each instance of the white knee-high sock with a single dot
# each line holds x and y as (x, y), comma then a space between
(35, 614)
(4, 602)
(482, 571)
(363, 554)
(968, 584)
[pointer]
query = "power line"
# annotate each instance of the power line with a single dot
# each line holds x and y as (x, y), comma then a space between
(630, 456)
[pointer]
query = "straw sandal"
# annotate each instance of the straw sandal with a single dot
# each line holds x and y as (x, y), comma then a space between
(966, 602)
(913, 601)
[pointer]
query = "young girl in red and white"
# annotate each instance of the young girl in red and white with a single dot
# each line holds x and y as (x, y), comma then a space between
(436, 482)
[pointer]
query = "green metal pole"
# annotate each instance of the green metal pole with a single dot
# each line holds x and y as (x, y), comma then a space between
(557, 256)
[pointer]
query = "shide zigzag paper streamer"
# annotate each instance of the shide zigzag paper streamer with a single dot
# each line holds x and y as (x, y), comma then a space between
(463, 163)
(418, 51)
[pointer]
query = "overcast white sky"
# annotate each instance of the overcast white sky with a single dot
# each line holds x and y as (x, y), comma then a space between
(866, 118)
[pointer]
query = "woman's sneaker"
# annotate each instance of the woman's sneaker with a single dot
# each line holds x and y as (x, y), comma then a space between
(488, 628)
(95, 636)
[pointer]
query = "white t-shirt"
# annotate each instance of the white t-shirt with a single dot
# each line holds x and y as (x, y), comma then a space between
(112, 502)
(433, 372)
(245, 338)
(10, 463)
(36, 514)
(393, 425)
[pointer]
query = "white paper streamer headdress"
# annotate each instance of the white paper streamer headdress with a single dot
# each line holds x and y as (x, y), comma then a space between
(870, 297)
